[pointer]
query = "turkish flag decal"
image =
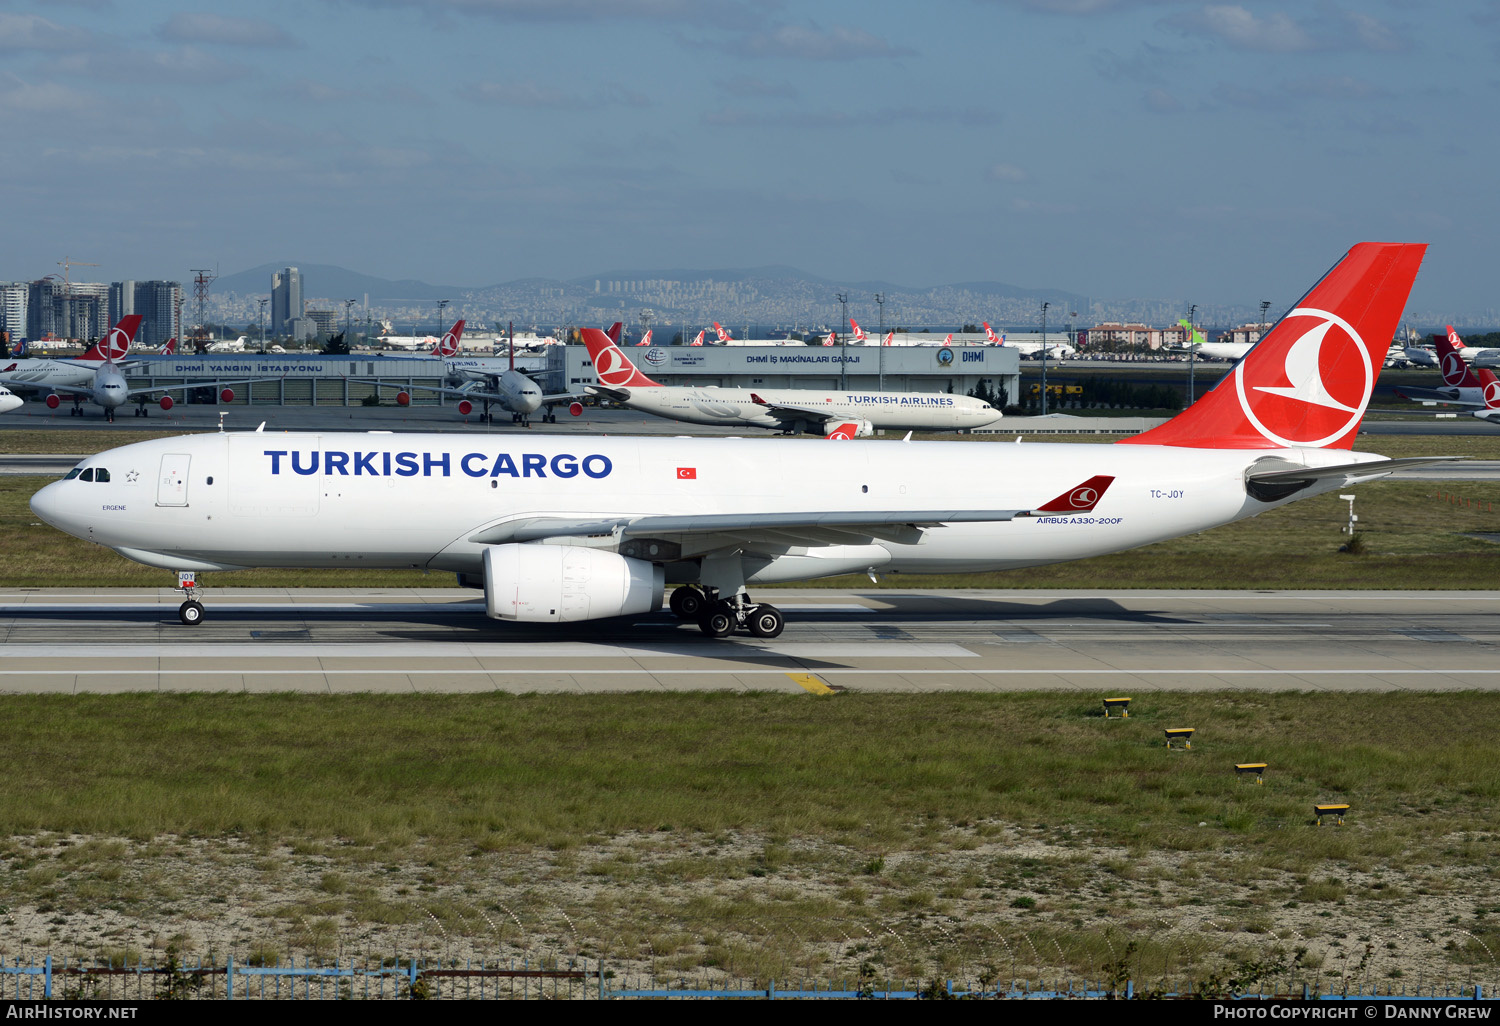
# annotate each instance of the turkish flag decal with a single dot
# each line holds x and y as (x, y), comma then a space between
(687, 473)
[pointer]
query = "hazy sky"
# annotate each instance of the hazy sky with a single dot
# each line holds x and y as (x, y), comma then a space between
(1217, 152)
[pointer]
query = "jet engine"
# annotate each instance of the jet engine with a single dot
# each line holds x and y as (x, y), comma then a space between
(226, 396)
(566, 583)
(465, 407)
(165, 402)
(53, 402)
(851, 429)
(403, 398)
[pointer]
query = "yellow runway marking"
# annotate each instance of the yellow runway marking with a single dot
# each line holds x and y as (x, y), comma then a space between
(812, 683)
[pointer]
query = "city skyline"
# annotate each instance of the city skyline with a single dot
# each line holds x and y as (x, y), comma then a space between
(1208, 152)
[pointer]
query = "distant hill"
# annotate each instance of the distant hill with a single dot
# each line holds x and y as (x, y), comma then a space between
(325, 281)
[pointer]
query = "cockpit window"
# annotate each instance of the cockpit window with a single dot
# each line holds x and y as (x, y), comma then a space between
(101, 475)
(73, 473)
(87, 475)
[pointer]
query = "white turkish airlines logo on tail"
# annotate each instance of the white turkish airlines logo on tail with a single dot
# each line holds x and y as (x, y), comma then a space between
(1083, 498)
(117, 345)
(448, 346)
(1454, 370)
(1492, 394)
(612, 367)
(1314, 397)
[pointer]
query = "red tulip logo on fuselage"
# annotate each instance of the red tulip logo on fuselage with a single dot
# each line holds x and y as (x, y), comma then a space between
(1311, 386)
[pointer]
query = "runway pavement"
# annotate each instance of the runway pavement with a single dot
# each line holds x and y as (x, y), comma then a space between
(1116, 643)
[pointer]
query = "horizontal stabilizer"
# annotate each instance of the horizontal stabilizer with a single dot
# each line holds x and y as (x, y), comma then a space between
(1373, 468)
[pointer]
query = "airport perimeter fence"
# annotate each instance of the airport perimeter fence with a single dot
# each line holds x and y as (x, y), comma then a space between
(580, 979)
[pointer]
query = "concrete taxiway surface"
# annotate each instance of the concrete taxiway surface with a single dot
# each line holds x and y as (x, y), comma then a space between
(347, 641)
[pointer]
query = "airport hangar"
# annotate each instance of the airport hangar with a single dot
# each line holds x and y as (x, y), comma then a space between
(318, 380)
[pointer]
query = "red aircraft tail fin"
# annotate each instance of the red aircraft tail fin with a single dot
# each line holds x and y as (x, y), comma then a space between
(611, 365)
(1308, 382)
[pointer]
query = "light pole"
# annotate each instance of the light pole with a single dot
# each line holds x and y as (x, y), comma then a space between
(442, 303)
(880, 302)
(1044, 358)
(260, 319)
(1192, 350)
(1265, 304)
(843, 298)
(348, 314)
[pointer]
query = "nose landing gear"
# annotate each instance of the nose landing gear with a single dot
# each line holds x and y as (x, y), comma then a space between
(191, 611)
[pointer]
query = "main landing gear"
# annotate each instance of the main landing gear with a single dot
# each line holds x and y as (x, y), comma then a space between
(719, 618)
(191, 611)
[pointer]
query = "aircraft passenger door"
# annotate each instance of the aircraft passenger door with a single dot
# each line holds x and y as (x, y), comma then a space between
(171, 484)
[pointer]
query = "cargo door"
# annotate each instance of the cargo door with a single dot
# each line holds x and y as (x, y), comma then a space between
(172, 483)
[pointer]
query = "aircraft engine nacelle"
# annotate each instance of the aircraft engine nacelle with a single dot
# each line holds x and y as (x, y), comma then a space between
(567, 583)
(576, 409)
(165, 403)
(53, 402)
(403, 398)
(852, 429)
(226, 396)
(465, 407)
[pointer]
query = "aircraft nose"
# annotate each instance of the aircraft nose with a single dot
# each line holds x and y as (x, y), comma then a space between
(48, 504)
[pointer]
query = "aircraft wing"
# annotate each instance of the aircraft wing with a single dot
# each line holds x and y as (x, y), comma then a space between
(564, 397)
(681, 536)
(461, 393)
(42, 386)
(192, 384)
(783, 412)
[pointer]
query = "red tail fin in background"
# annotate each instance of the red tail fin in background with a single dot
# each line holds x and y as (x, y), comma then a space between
(448, 345)
(611, 365)
(1455, 371)
(1307, 383)
(614, 332)
(116, 344)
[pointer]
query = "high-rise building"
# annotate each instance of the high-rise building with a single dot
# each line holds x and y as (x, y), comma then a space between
(158, 302)
(14, 296)
(286, 299)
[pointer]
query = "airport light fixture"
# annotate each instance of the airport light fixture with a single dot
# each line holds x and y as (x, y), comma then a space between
(880, 302)
(1192, 350)
(1352, 518)
(1044, 358)
(442, 304)
(843, 298)
(261, 320)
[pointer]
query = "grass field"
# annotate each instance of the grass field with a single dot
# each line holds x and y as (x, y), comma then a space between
(762, 834)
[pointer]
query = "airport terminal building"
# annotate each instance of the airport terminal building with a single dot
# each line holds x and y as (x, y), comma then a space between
(319, 380)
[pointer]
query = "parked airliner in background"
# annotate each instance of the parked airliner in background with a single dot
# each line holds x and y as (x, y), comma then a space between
(9, 400)
(511, 390)
(108, 388)
(1461, 385)
(558, 528)
(44, 374)
(783, 409)
(1031, 350)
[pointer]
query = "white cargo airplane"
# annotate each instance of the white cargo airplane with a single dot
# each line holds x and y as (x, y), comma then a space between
(511, 390)
(786, 409)
(564, 528)
(9, 400)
